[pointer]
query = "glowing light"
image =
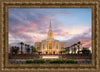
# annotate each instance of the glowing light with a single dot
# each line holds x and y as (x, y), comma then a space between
(50, 57)
(90, 49)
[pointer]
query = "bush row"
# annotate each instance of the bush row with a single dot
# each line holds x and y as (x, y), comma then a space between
(35, 61)
(68, 61)
(71, 61)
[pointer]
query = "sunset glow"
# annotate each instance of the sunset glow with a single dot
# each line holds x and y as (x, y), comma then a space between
(31, 25)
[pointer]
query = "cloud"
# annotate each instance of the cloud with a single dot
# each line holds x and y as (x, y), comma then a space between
(31, 25)
(85, 39)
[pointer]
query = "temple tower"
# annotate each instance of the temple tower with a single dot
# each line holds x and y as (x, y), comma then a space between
(50, 33)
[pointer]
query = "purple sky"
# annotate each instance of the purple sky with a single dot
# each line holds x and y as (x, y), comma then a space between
(32, 24)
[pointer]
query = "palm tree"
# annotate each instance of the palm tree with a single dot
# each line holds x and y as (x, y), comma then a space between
(14, 50)
(63, 51)
(21, 43)
(67, 49)
(33, 49)
(25, 48)
(39, 52)
(17, 50)
(60, 52)
(78, 45)
(86, 51)
(74, 48)
(28, 49)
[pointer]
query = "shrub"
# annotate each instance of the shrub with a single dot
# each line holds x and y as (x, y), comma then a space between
(70, 61)
(76, 62)
(28, 61)
(38, 61)
(51, 61)
(57, 61)
(48, 60)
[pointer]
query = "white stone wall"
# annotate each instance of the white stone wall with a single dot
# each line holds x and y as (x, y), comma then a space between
(44, 45)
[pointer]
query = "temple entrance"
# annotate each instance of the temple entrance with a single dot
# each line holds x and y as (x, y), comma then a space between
(50, 53)
(50, 48)
(50, 45)
(54, 52)
(46, 52)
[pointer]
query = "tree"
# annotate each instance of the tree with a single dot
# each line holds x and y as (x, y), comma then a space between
(14, 50)
(74, 48)
(67, 49)
(39, 52)
(86, 51)
(21, 43)
(33, 49)
(60, 52)
(28, 49)
(25, 48)
(78, 45)
(64, 51)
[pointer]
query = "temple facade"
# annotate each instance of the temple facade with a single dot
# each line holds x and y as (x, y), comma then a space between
(50, 45)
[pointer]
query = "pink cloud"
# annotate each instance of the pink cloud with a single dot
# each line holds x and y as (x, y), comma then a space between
(41, 27)
(85, 42)
(33, 26)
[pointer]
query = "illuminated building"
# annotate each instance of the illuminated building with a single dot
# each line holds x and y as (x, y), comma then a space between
(50, 45)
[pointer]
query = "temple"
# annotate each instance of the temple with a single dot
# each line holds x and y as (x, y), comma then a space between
(50, 45)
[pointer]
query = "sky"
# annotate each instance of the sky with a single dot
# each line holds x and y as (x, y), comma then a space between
(30, 25)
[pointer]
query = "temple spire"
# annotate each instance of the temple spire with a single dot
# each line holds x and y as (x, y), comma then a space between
(50, 33)
(50, 28)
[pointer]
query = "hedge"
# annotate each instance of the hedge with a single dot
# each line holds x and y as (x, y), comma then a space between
(70, 61)
(58, 61)
(28, 61)
(38, 61)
